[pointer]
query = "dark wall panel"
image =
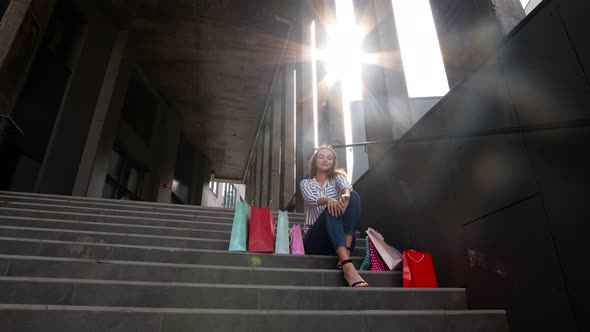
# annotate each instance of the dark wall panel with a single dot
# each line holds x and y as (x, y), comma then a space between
(562, 167)
(574, 14)
(379, 193)
(435, 122)
(489, 173)
(410, 198)
(468, 32)
(430, 205)
(504, 213)
(512, 264)
(544, 77)
(482, 102)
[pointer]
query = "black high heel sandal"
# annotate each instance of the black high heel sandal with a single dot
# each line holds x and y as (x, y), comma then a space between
(355, 284)
(339, 265)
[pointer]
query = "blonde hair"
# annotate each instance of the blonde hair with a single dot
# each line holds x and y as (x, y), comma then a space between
(314, 165)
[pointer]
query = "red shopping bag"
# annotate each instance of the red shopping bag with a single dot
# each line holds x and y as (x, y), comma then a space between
(261, 234)
(418, 271)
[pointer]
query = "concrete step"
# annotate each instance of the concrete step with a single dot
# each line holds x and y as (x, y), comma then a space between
(94, 200)
(67, 318)
(114, 227)
(71, 264)
(115, 219)
(57, 267)
(112, 237)
(127, 213)
(91, 201)
(127, 293)
(107, 204)
(86, 235)
(228, 219)
(100, 199)
(110, 251)
(13, 215)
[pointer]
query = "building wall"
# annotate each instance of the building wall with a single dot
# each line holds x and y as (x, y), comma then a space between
(210, 199)
(102, 130)
(22, 28)
(493, 181)
(64, 152)
(89, 123)
(22, 32)
(201, 178)
(532, 5)
(421, 106)
(470, 31)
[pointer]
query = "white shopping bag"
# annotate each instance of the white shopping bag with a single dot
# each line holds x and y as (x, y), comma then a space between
(390, 255)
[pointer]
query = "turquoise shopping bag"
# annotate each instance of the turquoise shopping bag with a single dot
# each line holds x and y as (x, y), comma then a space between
(282, 235)
(239, 234)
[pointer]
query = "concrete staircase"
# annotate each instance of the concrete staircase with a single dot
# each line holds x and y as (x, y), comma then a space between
(81, 264)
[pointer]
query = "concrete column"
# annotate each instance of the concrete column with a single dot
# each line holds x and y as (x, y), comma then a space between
(398, 101)
(103, 128)
(197, 184)
(64, 151)
(248, 183)
(277, 137)
(168, 154)
(305, 122)
(267, 160)
(259, 171)
(289, 154)
(335, 127)
(200, 178)
(470, 31)
(361, 159)
(510, 12)
(377, 118)
(21, 31)
(251, 181)
(247, 177)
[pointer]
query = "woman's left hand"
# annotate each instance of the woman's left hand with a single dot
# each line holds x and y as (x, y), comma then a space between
(344, 200)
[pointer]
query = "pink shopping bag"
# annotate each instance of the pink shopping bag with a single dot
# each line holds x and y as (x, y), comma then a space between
(377, 262)
(296, 243)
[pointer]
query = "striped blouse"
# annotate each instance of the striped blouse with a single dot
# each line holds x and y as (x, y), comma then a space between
(312, 192)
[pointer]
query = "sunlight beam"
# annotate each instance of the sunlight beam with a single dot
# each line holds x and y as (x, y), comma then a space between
(346, 56)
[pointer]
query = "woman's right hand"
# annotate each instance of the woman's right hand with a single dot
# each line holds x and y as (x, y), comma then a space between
(334, 207)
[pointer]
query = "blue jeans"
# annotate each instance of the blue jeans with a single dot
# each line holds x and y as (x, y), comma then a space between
(327, 233)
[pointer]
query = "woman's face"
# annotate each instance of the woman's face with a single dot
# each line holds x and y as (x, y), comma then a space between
(325, 160)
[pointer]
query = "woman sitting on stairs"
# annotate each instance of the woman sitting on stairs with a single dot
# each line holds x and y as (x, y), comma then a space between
(333, 212)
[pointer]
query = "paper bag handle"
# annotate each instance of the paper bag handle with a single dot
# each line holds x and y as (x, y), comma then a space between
(416, 261)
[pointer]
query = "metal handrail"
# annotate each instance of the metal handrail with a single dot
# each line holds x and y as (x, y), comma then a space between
(270, 92)
(353, 145)
(119, 187)
(363, 144)
(7, 117)
(293, 201)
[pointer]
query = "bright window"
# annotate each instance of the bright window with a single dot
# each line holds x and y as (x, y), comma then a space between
(423, 64)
